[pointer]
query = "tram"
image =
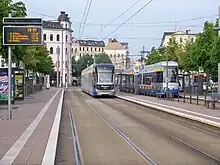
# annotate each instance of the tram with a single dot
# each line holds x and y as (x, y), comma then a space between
(154, 77)
(98, 80)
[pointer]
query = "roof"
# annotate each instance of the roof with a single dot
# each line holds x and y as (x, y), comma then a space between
(114, 45)
(63, 17)
(52, 25)
(175, 33)
(91, 43)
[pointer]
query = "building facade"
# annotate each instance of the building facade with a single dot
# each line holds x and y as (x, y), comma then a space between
(57, 35)
(83, 47)
(181, 37)
(118, 53)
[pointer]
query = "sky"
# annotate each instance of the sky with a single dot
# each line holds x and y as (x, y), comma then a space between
(145, 29)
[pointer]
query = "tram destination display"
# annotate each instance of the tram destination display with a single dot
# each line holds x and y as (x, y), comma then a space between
(22, 35)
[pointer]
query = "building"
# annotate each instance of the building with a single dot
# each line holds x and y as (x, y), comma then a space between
(180, 36)
(118, 53)
(83, 47)
(57, 35)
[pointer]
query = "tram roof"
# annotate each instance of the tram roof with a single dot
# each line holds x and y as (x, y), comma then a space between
(163, 64)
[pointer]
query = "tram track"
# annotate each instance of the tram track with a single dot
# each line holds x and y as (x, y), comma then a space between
(161, 131)
(145, 156)
(170, 136)
(75, 140)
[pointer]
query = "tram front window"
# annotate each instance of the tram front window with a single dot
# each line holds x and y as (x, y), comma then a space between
(172, 75)
(105, 76)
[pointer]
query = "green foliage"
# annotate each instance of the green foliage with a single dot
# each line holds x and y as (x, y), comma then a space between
(82, 63)
(35, 58)
(44, 63)
(17, 9)
(102, 58)
(156, 55)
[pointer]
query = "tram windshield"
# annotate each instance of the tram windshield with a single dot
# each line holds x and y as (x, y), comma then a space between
(172, 75)
(105, 75)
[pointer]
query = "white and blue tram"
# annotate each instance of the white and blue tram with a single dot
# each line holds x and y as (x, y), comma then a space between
(98, 80)
(155, 77)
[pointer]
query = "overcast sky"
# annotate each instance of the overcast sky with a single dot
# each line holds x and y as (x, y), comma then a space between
(151, 19)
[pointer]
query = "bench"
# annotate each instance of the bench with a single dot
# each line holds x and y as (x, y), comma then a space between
(214, 98)
(160, 94)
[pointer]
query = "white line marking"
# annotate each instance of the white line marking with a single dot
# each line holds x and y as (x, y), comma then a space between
(13, 152)
(50, 152)
(202, 120)
(180, 109)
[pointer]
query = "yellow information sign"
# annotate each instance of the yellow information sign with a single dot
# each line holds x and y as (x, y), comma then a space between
(18, 35)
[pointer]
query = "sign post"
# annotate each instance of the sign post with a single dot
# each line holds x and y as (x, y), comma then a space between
(9, 80)
(18, 32)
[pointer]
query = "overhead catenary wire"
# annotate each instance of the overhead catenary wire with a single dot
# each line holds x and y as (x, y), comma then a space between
(129, 18)
(119, 15)
(86, 18)
(77, 23)
(84, 14)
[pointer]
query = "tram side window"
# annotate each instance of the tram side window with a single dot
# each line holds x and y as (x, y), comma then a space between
(147, 79)
(159, 77)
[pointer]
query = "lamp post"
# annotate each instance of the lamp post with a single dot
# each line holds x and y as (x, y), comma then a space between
(167, 90)
(58, 64)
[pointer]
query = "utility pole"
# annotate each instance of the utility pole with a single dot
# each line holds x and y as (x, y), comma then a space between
(167, 90)
(62, 77)
(58, 65)
(143, 64)
(219, 36)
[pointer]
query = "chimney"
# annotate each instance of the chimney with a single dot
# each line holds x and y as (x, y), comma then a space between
(109, 40)
(187, 31)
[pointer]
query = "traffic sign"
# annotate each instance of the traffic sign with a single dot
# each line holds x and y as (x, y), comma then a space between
(136, 69)
(22, 35)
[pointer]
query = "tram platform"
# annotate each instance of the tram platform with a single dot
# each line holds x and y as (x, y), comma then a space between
(31, 135)
(192, 111)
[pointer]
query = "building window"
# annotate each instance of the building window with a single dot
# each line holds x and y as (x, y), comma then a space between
(99, 49)
(80, 55)
(51, 37)
(66, 51)
(72, 50)
(102, 49)
(95, 49)
(66, 38)
(118, 55)
(58, 37)
(45, 37)
(181, 40)
(91, 48)
(87, 49)
(114, 55)
(83, 49)
(80, 48)
(75, 50)
(51, 50)
(192, 39)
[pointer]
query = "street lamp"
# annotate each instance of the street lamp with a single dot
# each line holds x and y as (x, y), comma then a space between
(58, 64)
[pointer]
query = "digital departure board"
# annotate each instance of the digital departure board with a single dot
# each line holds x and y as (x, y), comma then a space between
(22, 35)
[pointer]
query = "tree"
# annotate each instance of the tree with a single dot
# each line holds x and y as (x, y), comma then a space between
(200, 51)
(155, 55)
(215, 59)
(44, 62)
(17, 9)
(83, 63)
(102, 58)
